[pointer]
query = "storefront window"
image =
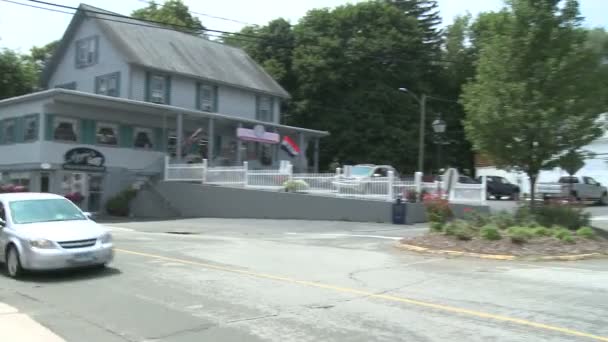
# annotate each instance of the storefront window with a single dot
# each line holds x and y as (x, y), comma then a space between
(65, 129)
(143, 138)
(31, 128)
(107, 134)
(9, 131)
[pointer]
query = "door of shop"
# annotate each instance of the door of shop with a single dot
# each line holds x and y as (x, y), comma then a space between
(88, 185)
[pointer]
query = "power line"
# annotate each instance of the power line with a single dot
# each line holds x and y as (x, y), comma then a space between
(39, 7)
(208, 15)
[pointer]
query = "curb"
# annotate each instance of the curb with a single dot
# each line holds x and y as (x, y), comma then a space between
(573, 257)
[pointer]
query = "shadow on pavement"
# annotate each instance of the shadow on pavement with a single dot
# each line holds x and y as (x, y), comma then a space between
(68, 275)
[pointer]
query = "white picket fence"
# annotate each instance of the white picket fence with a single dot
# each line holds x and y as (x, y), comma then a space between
(327, 184)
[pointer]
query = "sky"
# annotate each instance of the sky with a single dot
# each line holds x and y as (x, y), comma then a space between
(23, 27)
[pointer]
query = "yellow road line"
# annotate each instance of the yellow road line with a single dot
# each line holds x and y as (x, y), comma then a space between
(439, 307)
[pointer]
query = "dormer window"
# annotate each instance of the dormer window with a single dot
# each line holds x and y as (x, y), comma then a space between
(158, 88)
(87, 51)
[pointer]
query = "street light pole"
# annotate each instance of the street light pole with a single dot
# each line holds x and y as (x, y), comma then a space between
(421, 135)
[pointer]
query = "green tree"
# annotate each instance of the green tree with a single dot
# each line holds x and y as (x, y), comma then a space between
(174, 13)
(17, 74)
(40, 56)
(536, 91)
(349, 63)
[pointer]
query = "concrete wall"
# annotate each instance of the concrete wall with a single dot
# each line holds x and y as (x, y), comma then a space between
(110, 60)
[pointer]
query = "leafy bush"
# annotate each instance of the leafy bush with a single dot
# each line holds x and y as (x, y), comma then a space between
(541, 231)
(119, 205)
(437, 227)
(460, 229)
(503, 220)
(475, 218)
(490, 232)
(566, 215)
(568, 239)
(295, 185)
(586, 232)
(562, 233)
(438, 210)
(520, 234)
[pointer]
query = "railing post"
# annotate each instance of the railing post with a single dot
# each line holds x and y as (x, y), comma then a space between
(391, 183)
(484, 190)
(418, 184)
(167, 160)
(246, 172)
(205, 165)
(337, 182)
(290, 171)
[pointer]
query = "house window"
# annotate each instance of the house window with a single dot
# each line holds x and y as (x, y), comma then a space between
(206, 98)
(106, 133)
(142, 138)
(108, 84)
(31, 128)
(264, 112)
(9, 131)
(65, 129)
(70, 85)
(86, 51)
(158, 88)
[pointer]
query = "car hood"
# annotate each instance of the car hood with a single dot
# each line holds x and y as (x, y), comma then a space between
(62, 230)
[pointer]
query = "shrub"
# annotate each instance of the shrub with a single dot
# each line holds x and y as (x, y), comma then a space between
(520, 234)
(460, 229)
(438, 210)
(295, 185)
(119, 205)
(562, 233)
(503, 220)
(541, 231)
(566, 215)
(475, 218)
(437, 227)
(586, 232)
(490, 232)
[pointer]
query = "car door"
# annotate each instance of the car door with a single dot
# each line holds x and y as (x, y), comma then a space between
(3, 234)
(592, 188)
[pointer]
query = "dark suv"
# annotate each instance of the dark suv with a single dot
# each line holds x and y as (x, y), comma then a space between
(499, 187)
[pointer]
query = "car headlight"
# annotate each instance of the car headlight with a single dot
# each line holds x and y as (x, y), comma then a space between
(106, 238)
(42, 243)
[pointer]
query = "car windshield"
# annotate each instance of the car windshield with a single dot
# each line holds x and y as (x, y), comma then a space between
(44, 210)
(361, 171)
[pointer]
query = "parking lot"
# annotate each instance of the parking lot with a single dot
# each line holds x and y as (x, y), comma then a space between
(261, 280)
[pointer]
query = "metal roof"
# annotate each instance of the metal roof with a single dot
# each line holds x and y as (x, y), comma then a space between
(153, 46)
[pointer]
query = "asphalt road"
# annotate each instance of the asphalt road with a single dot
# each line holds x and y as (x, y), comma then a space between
(256, 280)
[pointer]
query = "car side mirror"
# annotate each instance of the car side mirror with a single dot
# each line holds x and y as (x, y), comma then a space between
(88, 214)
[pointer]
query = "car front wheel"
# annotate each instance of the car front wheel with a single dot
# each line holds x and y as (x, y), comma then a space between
(13, 263)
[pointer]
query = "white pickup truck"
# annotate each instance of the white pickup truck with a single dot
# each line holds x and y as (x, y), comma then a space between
(581, 188)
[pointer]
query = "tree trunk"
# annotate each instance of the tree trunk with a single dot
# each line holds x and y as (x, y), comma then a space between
(532, 189)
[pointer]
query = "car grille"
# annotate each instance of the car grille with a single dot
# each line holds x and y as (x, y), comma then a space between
(78, 243)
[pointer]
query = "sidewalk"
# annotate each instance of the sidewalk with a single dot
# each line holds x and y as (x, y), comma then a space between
(18, 327)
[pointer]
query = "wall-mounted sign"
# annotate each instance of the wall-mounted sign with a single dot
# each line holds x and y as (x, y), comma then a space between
(257, 134)
(84, 159)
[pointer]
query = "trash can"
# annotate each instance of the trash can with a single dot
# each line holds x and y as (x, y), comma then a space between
(399, 211)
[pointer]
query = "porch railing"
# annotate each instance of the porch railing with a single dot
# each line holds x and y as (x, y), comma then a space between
(335, 184)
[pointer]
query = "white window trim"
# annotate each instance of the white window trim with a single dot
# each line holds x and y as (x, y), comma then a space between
(114, 127)
(158, 95)
(150, 133)
(107, 79)
(75, 126)
(86, 51)
(206, 104)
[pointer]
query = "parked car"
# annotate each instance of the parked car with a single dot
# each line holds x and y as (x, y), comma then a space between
(461, 179)
(581, 188)
(47, 232)
(362, 177)
(499, 187)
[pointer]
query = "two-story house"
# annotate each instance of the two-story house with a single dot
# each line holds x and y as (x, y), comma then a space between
(123, 93)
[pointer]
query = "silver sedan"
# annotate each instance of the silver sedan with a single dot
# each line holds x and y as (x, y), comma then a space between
(47, 232)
